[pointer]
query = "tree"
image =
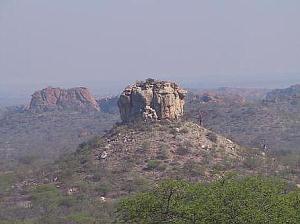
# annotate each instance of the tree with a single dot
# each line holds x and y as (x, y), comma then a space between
(230, 200)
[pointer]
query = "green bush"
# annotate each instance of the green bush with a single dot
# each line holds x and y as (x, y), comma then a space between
(47, 197)
(163, 153)
(182, 150)
(146, 145)
(250, 200)
(103, 188)
(212, 137)
(252, 162)
(192, 169)
(184, 130)
(81, 218)
(153, 164)
(6, 180)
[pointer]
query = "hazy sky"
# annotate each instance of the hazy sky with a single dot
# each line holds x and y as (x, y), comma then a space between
(105, 44)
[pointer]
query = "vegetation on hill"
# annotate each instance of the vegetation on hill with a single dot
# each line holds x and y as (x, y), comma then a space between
(86, 186)
(27, 138)
(244, 116)
(265, 125)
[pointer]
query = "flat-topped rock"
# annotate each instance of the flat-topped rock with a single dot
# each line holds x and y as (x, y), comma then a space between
(151, 100)
(77, 99)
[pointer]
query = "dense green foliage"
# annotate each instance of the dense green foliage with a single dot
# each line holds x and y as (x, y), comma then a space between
(229, 200)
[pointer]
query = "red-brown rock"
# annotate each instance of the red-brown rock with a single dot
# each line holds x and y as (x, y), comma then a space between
(76, 99)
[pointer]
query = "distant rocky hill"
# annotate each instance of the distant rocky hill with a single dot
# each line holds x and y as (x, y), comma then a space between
(249, 94)
(76, 99)
(244, 94)
(215, 97)
(272, 123)
(291, 95)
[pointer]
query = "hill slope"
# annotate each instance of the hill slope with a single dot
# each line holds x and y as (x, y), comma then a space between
(25, 136)
(128, 159)
(269, 123)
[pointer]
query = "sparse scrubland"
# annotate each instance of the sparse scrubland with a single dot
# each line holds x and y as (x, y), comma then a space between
(86, 186)
(153, 171)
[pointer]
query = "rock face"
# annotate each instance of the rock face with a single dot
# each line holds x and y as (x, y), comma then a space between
(151, 100)
(49, 99)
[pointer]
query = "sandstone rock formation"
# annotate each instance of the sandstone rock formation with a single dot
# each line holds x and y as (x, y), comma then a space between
(49, 99)
(151, 100)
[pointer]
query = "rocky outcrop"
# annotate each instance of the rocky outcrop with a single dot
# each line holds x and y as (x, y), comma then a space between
(50, 99)
(151, 100)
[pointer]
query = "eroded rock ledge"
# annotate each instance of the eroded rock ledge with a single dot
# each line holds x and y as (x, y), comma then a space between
(151, 100)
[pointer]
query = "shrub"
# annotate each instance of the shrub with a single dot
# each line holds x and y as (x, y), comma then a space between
(47, 198)
(184, 130)
(212, 137)
(191, 168)
(249, 200)
(28, 159)
(163, 153)
(103, 189)
(145, 146)
(181, 150)
(252, 162)
(153, 164)
(81, 218)
(6, 180)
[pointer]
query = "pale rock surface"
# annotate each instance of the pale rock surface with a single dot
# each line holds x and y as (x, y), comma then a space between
(151, 100)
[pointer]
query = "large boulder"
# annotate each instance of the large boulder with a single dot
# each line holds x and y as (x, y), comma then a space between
(153, 100)
(75, 99)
